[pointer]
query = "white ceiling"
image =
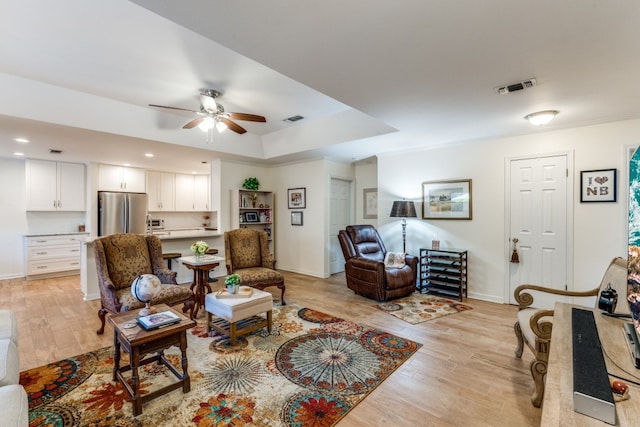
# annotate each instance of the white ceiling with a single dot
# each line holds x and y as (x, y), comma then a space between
(369, 77)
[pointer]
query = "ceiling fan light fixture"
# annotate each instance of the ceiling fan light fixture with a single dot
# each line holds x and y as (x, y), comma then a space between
(206, 124)
(221, 126)
(541, 117)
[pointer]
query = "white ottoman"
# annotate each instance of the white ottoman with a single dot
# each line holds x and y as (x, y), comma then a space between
(237, 316)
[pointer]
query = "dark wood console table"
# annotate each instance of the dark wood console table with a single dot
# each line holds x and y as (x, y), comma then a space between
(557, 406)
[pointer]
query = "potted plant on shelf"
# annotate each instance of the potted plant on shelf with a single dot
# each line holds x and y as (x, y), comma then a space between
(232, 282)
(253, 197)
(251, 183)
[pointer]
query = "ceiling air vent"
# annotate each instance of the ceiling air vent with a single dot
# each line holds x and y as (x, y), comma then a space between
(293, 119)
(54, 151)
(514, 87)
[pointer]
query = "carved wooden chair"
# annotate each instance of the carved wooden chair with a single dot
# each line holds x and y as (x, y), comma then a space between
(120, 258)
(533, 326)
(247, 255)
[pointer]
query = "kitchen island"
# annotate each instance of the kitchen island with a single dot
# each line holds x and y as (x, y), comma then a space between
(177, 240)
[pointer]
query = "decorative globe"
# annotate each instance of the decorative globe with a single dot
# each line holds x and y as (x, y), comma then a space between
(144, 288)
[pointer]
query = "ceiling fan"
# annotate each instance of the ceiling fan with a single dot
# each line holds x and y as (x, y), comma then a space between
(212, 114)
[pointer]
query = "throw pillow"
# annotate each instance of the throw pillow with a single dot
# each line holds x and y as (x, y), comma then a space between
(394, 260)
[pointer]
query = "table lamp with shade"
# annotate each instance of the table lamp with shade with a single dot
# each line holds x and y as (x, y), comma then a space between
(403, 209)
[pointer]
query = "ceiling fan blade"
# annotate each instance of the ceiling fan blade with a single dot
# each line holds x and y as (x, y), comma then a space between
(209, 103)
(233, 126)
(247, 117)
(173, 108)
(193, 123)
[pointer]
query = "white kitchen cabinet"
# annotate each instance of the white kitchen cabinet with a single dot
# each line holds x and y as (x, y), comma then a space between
(161, 190)
(121, 178)
(53, 256)
(55, 186)
(201, 193)
(192, 193)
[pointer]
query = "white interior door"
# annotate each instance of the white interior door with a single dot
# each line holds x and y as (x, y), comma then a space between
(538, 219)
(339, 217)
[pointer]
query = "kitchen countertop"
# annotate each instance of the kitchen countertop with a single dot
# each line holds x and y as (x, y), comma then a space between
(185, 233)
(71, 233)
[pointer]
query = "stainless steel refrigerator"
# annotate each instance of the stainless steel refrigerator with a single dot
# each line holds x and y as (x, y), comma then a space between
(122, 213)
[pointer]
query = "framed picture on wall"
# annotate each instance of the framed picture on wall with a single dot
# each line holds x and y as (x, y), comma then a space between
(447, 199)
(296, 218)
(297, 198)
(598, 185)
(370, 203)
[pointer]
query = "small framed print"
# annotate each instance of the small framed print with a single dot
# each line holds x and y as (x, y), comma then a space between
(297, 198)
(296, 218)
(370, 202)
(598, 185)
(251, 217)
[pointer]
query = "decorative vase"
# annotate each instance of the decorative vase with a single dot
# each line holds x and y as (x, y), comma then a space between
(233, 289)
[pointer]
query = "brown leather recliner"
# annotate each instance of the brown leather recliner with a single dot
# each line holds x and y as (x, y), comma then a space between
(364, 267)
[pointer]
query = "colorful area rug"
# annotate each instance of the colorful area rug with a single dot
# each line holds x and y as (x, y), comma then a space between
(418, 308)
(309, 371)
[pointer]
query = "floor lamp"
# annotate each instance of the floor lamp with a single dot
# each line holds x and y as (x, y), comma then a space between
(403, 209)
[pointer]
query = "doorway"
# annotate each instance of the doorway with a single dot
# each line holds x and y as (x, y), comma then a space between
(340, 215)
(539, 215)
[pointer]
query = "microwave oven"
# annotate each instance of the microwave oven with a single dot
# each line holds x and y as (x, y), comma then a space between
(155, 224)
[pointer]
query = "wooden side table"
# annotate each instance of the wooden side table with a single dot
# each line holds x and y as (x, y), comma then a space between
(200, 267)
(137, 342)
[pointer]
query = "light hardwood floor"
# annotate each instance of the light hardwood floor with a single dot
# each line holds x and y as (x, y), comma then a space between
(465, 374)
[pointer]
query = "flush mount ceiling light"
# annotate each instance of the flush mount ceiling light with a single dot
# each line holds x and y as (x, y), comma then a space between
(541, 117)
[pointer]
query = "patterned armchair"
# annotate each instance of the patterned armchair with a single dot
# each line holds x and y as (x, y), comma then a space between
(247, 255)
(120, 258)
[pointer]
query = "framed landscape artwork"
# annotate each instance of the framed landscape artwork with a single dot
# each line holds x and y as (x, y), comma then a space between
(598, 185)
(447, 199)
(297, 198)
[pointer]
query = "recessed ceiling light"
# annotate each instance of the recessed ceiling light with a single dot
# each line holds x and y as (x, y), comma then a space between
(148, 154)
(126, 164)
(22, 140)
(18, 154)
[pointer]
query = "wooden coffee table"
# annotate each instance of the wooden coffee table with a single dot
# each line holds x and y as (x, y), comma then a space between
(137, 342)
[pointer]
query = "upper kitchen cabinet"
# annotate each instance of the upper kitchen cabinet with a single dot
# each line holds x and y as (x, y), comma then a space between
(192, 193)
(120, 178)
(161, 190)
(55, 186)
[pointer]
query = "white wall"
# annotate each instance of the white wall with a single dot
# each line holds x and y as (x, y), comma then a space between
(599, 228)
(366, 177)
(13, 219)
(301, 248)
